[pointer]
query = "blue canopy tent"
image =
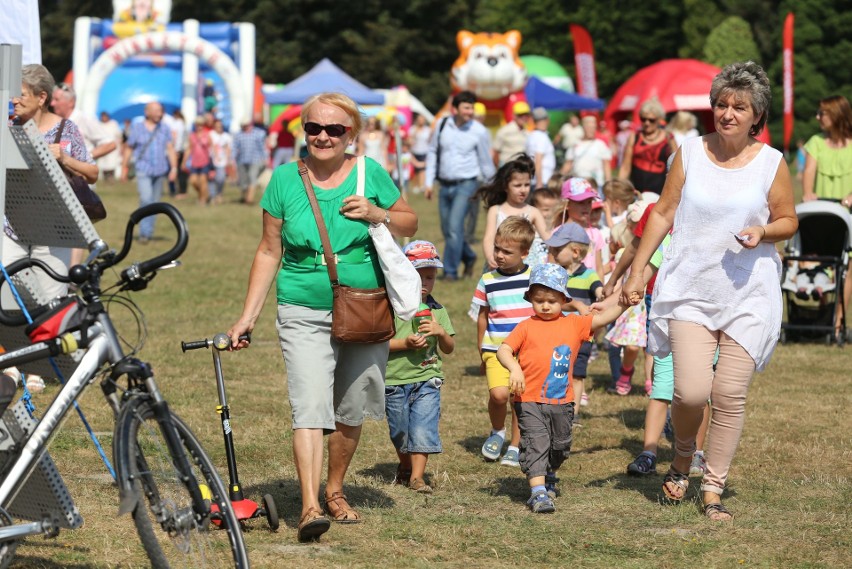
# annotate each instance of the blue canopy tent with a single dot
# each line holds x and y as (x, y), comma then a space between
(540, 94)
(325, 76)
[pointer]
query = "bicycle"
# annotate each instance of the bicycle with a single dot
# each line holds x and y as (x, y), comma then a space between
(166, 480)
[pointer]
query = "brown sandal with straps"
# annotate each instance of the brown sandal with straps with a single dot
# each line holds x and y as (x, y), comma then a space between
(340, 510)
(312, 525)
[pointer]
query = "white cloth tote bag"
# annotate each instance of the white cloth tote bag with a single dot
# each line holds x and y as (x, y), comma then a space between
(402, 280)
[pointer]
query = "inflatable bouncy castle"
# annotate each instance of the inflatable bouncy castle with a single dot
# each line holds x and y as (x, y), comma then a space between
(140, 56)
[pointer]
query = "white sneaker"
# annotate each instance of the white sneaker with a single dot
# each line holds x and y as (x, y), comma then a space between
(699, 464)
(584, 400)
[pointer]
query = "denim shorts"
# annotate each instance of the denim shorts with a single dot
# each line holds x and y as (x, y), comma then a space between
(582, 363)
(413, 411)
(329, 382)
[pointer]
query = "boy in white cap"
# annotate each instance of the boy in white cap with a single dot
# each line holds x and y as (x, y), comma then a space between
(546, 347)
(414, 377)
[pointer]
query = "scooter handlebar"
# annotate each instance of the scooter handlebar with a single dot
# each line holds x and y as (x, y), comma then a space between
(220, 342)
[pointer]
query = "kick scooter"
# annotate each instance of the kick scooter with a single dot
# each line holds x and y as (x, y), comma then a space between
(244, 508)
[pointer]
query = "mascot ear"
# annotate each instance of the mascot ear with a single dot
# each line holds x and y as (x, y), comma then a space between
(513, 38)
(464, 39)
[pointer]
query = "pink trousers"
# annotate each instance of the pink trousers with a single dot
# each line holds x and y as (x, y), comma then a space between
(693, 350)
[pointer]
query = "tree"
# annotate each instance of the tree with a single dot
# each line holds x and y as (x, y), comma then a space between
(731, 41)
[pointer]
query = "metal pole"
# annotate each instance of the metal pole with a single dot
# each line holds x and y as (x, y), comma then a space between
(11, 56)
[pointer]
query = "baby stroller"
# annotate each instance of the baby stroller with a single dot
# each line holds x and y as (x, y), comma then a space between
(814, 270)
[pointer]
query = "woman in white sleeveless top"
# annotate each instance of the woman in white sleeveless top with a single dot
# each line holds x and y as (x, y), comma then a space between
(729, 199)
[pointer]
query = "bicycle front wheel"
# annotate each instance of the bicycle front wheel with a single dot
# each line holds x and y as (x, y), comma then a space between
(172, 513)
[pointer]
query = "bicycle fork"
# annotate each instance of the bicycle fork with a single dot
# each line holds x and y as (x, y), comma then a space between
(137, 372)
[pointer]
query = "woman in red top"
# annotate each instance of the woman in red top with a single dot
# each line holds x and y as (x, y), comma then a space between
(646, 153)
(196, 160)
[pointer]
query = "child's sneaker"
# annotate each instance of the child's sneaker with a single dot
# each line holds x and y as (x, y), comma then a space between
(648, 386)
(584, 400)
(550, 481)
(699, 464)
(643, 465)
(541, 503)
(623, 386)
(511, 458)
(492, 447)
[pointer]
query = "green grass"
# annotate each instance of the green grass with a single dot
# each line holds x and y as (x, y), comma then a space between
(789, 486)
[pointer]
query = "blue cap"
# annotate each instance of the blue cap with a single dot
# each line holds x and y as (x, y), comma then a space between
(568, 232)
(550, 275)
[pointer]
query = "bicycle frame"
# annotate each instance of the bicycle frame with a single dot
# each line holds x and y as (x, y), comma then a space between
(102, 345)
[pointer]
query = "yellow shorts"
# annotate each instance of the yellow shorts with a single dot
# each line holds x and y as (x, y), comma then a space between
(495, 373)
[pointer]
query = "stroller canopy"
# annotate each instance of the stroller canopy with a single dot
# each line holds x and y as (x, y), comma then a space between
(825, 228)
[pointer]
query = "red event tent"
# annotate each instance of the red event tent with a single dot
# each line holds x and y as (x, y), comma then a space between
(679, 84)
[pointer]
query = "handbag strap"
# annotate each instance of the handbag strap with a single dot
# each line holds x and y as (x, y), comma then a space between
(361, 176)
(58, 138)
(327, 252)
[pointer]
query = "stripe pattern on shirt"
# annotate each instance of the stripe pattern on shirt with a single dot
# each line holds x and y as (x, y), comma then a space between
(504, 297)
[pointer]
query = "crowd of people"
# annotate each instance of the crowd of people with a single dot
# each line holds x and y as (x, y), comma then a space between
(656, 239)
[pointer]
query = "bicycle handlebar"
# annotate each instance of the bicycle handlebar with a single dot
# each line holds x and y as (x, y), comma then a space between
(220, 342)
(79, 273)
(138, 270)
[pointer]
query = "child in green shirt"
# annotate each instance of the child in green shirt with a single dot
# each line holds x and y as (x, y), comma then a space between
(414, 377)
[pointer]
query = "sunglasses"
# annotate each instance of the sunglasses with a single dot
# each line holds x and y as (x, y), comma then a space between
(648, 119)
(333, 130)
(820, 113)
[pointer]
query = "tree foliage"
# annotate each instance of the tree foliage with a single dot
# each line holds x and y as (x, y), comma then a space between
(730, 41)
(383, 43)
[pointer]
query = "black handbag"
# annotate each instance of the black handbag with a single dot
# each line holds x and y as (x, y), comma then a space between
(91, 202)
(358, 315)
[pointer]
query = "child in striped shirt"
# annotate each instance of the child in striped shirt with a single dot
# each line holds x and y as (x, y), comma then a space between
(500, 297)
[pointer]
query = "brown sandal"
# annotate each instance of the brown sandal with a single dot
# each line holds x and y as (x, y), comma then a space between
(340, 510)
(717, 512)
(312, 525)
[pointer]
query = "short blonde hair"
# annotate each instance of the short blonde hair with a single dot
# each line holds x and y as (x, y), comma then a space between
(620, 189)
(653, 107)
(340, 101)
(516, 228)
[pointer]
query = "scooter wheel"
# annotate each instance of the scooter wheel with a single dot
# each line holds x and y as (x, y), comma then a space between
(271, 511)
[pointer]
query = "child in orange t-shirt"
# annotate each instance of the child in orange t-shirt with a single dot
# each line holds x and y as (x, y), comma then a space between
(546, 346)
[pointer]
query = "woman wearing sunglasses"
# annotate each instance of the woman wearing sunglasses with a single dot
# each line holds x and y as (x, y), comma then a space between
(332, 386)
(647, 151)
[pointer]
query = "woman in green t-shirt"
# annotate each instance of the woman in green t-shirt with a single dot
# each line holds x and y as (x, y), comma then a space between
(828, 165)
(332, 386)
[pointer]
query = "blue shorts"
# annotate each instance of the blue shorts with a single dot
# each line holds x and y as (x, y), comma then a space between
(202, 170)
(413, 411)
(582, 363)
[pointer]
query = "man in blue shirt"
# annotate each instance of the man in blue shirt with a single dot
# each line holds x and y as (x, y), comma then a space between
(250, 156)
(150, 144)
(459, 157)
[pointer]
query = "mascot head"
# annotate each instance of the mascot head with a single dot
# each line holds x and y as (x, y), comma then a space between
(488, 64)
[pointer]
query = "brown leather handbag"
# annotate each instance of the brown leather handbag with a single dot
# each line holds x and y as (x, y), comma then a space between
(358, 315)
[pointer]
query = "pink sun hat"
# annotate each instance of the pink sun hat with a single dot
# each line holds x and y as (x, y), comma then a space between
(577, 190)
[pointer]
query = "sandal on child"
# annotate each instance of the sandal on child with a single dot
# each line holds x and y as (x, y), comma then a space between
(312, 525)
(340, 510)
(717, 511)
(679, 480)
(403, 475)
